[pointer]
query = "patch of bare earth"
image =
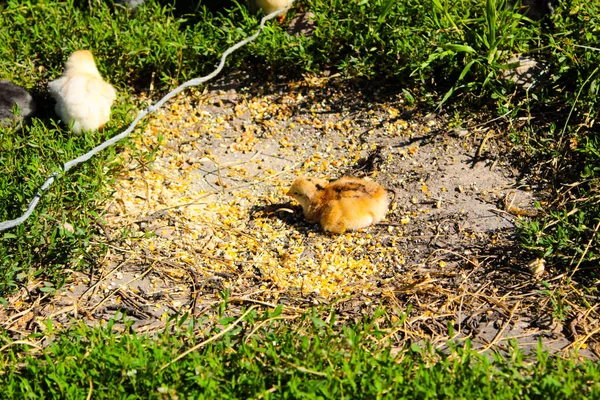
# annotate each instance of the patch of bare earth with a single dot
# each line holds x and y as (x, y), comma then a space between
(210, 214)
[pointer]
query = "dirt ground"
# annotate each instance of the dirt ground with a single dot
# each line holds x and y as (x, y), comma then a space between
(210, 214)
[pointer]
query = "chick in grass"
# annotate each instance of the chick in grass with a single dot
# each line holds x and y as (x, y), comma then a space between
(270, 6)
(12, 95)
(82, 97)
(346, 204)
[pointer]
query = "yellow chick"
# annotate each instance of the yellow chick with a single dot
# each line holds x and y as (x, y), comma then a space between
(270, 6)
(82, 96)
(346, 204)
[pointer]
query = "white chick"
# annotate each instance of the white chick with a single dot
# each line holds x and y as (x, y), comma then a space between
(82, 96)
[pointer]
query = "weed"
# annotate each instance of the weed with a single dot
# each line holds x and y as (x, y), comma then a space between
(568, 234)
(265, 356)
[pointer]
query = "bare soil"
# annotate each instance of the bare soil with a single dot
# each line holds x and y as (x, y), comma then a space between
(210, 214)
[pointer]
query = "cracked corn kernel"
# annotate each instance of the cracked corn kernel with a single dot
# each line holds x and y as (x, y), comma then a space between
(223, 234)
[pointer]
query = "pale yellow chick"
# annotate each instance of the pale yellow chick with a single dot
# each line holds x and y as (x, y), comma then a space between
(82, 96)
(346, 204)
(270, 6)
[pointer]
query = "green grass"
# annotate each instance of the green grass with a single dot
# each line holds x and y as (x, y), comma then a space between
(568, 234)
(446, 54)
(36, 38)
(316, 356)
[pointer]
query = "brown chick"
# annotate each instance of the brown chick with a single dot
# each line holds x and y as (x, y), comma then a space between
(346, 204)
(82, 96)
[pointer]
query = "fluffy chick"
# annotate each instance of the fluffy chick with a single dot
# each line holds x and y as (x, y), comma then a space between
(11, 95)
(82, 96)
(270, 6)
(346, 204)
(306, 191)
